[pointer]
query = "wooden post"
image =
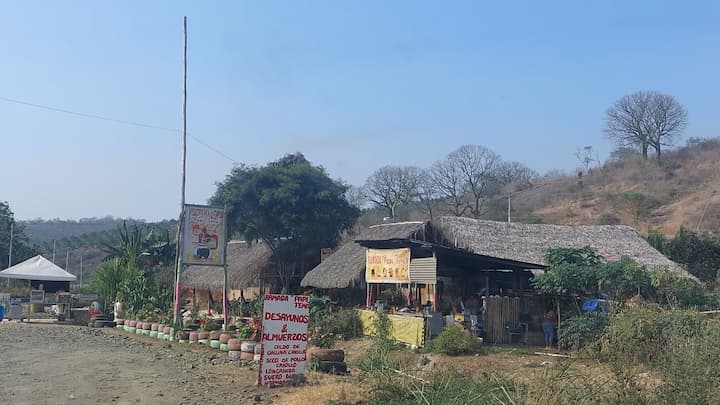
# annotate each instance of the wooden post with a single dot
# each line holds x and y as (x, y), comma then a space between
(487, 296)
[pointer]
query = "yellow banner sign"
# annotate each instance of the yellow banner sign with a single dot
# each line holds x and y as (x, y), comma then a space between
(387, 265)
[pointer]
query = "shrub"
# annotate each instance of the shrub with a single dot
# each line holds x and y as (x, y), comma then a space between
(444, 387)
(579, 331)
(452, 341)
(346, 322)
(677, 291)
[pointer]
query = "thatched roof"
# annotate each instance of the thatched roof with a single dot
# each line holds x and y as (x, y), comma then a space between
(528, 242)
(346, 266)
(245, 263)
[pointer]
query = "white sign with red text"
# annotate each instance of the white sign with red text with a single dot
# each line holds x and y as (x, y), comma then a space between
(284, 338)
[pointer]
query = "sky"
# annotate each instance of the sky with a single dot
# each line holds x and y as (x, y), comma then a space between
(353, 85)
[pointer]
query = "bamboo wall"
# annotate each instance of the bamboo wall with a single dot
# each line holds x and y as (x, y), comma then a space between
(498, 311)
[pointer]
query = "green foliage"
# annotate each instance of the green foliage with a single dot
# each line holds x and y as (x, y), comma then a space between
(579, 331)
(452, 341)
(290, 205)
(382, 326)
(582, 272)
(21, 245)
(701, 255)
(244, 331)
(445, 386)
(676, 291)
(646, 335)
(391, 296)
(108, 279)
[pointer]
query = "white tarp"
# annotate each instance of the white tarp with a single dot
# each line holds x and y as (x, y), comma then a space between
(37, 268)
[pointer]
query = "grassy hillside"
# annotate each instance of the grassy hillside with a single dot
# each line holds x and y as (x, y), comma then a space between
(636, 192)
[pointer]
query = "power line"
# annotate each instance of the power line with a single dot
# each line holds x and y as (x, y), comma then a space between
(116, 121)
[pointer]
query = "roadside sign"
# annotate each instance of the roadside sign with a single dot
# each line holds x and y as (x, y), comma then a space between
(284, 339)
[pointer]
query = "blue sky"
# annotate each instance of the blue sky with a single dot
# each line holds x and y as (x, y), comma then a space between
(352, 85)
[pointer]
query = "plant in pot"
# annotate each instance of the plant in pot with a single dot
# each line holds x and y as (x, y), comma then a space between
(322, 338)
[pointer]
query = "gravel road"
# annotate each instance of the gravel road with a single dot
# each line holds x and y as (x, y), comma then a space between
(62, 364)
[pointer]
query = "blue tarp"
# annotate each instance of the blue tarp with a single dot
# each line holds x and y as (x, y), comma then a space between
(590, 305)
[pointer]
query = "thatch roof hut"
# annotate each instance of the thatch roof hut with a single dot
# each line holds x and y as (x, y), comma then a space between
(245, 264)
(346, 266)
(528, 242)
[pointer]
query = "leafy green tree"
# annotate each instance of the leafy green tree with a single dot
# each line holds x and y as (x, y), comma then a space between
(701, 255)
(21, 245)
(291, 205)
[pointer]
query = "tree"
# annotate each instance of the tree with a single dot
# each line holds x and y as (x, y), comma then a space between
(392, 186)
(21, 245)
(646, 119)
(448, 181)
(426, 192)
(515, 173)
(356, 197)
(290, 205)
(586, 156)
(477, 166)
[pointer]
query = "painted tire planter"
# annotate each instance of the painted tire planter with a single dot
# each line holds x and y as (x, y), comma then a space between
(147, 326)
(203, 341)
(132, 324)
(168, 330)
(331, 355)
(183, 341)
(214, 335)
(154, 327)
(256, 357)
(234, 354)
(215, 344)
(203, 335)
(224, 347)
(131, 329)
(193, 337)
(258, 348)
(247, 346)
(333, 367)
(120, 322)
(234, 345)
(153, 334)
(184, 336)
(224, 337)
(245, 356)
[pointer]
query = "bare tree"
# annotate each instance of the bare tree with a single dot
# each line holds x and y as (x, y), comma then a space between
(391, 187)
(478, 165)
(356, 196)
(450, 185)
(426, 192)
(515, 173)
(586, 157)
(645, 119)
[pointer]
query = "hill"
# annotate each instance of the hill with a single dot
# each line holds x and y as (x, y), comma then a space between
(628, 190)
(680, 192)
(78, 244)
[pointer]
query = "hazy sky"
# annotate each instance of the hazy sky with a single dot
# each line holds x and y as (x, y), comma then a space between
(352, 85)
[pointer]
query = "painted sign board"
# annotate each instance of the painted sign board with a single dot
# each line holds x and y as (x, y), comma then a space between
(284, 338)
(203, 236)
(387, 265)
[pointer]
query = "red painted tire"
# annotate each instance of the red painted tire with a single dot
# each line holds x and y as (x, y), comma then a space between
(184, 336)
(193, 336)
(224, 337)
(233, 341)
(247, 356)
(234, 345)
(167, 330)
(147, 325)
(330, 355)
(203, 335)
(131, 324)
(214, 335)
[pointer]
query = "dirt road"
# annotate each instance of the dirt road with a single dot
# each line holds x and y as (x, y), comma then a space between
(57, 364)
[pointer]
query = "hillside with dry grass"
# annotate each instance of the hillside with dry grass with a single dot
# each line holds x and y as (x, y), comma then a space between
(679, 192)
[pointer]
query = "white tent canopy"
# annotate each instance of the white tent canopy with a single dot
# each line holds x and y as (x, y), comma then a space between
(37, 268)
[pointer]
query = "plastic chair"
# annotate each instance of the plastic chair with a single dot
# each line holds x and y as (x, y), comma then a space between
(514, 328)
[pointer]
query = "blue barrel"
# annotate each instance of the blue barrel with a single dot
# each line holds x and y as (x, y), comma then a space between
(2, 312)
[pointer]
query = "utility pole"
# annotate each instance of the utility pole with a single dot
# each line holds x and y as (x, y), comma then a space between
(177, 320)
(81, 271)
(67, 259)
(53, 251)
(12, 229)
(509, 207)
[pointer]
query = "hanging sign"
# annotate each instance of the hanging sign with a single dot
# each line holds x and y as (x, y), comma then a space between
(284, 338)
(387, 265)
(203, 240)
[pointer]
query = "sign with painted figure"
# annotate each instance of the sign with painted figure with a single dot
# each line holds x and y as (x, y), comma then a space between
(204, 236)
(284, 338)
(387, 265)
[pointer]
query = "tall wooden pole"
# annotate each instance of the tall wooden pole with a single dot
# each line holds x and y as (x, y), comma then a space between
(81, 271)
(177, 318)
